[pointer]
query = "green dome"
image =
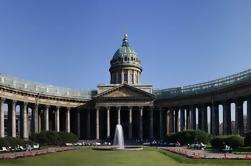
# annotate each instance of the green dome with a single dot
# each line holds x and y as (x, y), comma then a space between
(125, 54)
(125, 51)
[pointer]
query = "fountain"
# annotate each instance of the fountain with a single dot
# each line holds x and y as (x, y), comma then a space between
(118, 141)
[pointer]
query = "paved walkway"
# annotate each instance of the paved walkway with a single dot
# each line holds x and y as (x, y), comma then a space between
(202, 154)
(15, 155)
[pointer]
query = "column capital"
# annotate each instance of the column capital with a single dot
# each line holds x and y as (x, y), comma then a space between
(2, 99)
(68, 108)
(25, 103)
(36, 106)
(118, 107)
(14, 102)
(47, 106)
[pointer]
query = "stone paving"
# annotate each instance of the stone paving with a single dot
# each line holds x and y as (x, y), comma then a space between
(203, 154)
(15, 155)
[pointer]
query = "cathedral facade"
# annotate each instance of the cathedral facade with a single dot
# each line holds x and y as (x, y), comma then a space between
(144, 112)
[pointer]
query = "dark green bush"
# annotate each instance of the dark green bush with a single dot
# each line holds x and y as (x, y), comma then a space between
(10, 141)
(14, 141)
(4, 142)
(67, 137)
(247, 139)
(231, 140)
(53, 138)
(189, 137)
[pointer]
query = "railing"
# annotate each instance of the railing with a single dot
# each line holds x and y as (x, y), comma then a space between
(29, 86)
(235, 79)
(209, 86)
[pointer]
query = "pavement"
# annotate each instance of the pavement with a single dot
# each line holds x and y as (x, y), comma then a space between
(33, 153)
(203, 154)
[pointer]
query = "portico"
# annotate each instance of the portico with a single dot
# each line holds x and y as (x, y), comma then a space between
(127, 106)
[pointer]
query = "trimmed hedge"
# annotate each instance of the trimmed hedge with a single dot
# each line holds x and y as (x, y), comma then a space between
(10, 141)
(190, 137)
(230, 140)
(54, 138)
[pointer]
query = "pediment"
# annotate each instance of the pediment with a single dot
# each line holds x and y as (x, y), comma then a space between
(125, 91)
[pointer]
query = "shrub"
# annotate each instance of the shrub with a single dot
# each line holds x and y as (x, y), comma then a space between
(247, 139)
(54, 138)
(190, 136)
(231, 140)
(10, 141)
(4, 142)
(67, 137)
(14, 141)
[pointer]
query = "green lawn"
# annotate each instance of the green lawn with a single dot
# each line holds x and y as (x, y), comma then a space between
(147, 157)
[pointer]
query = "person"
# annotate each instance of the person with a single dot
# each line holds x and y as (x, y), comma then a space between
(177, 143)
(202, 146)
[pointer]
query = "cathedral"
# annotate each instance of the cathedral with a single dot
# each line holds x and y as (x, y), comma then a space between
(28, 107)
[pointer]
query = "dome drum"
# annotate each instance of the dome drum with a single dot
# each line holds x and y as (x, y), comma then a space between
(125, 65)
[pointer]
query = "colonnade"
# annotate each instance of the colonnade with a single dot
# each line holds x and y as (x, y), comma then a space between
(196, 117)
(33, 118)
(132, 121)
(138, 121)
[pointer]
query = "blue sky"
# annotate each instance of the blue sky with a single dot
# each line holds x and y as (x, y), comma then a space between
(71, 43)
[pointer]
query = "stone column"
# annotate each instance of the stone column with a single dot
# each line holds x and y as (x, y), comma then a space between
(46, 118)
(67, 120)
(193, 118)
(25, 122)
(108, 123)
(141, 123)
(57, 120)
(13, 119)
(122, 78)
(35, 118)
(171, 121)
(160, 123)
(40, 113)
(2, 117)
(239, 125)
(215, 119)
(176, 119)
(249, 114)
(182, 119)
(89, 123)
(119, 121)
(226, 118)
(168, 122)
(204, 118)
(130, 122)
(151, 122)
(78, 123)
(97, 123)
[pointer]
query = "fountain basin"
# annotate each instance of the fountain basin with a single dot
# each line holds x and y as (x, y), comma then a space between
(112, 148)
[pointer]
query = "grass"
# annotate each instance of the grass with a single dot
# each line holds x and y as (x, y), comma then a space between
(89, 157)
